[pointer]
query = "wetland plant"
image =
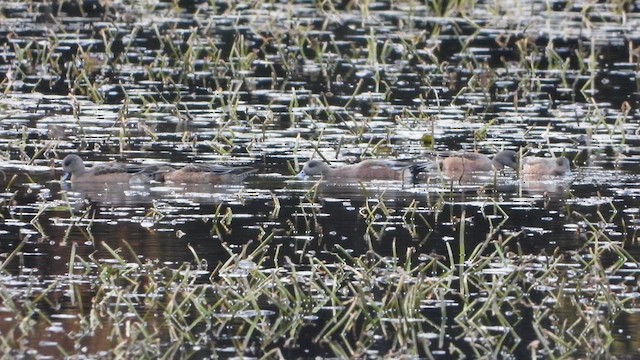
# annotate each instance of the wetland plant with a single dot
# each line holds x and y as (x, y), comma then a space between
(357, 304)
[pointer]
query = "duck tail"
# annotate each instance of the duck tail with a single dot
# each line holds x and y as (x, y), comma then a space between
(245, 171)
(155, 172)
(423, 166)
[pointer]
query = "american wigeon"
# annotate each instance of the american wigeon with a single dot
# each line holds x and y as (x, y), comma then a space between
(370, 169)
(475, 162)
(469, 163)
(75, 171)
(538, 166)
(205, 174)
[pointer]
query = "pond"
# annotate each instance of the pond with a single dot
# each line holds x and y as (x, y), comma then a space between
(492, 266)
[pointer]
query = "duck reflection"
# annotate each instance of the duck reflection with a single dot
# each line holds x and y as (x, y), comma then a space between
(109, 194)
(556, 186)
(199, 193)
(123, 194)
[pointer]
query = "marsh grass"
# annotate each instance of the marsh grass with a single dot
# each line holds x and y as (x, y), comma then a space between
(485, 298)
(476, 299)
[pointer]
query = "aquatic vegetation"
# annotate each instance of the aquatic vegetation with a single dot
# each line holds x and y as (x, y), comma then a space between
(489, 267)
(399, 304)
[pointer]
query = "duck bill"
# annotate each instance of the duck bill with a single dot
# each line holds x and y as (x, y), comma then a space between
(66, 177)
(301, 175)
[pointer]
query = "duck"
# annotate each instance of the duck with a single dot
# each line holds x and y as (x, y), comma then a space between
(112, 172)
(457, 165)
(476, 162)
(370, 169)
(205, 174)
(539, 166)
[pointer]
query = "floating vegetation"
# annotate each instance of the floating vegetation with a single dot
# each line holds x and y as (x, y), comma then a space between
(498, 301)
(494, 265)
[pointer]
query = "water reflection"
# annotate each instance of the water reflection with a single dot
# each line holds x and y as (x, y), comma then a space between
(554, 186)
(333, 79)
(108, 193)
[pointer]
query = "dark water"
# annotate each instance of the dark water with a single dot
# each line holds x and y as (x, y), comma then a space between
(271, 85)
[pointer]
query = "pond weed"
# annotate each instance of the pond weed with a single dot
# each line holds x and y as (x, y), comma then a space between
(443, 267)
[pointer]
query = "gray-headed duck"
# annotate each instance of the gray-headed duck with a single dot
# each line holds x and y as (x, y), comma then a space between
(370, 169)
(76, 171)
